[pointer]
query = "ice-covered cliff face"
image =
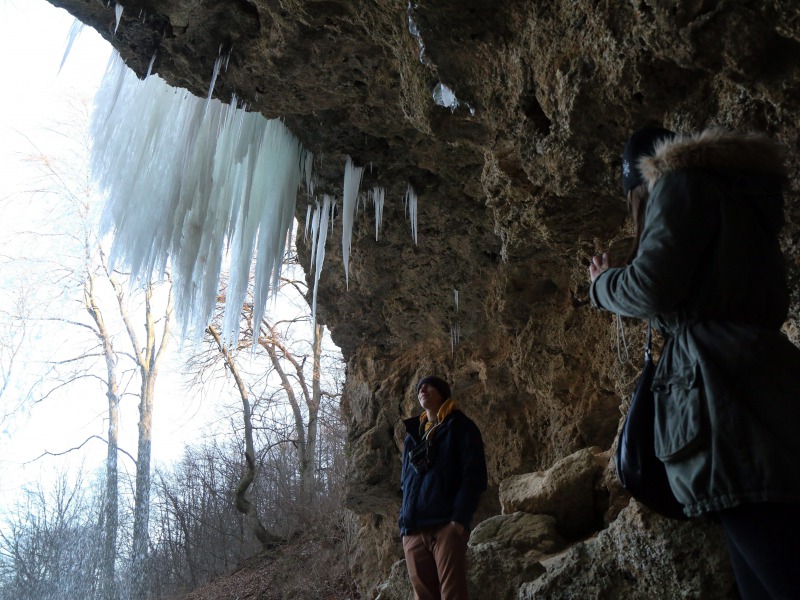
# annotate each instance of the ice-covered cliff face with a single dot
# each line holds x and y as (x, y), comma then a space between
(515, 165)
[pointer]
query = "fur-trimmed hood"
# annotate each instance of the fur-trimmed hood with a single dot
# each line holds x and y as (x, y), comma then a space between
(716, 149)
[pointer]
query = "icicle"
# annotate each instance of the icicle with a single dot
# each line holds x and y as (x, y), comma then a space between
(74, 31)
(378, 194)
(150, 66)
(411, 205)
(352, 181)
(455, 336)
(308, 222)
(308, 165)
(320, 249)
(214, 75)
(314, 235)
(455, 292)
(118, 13)
(182, 176)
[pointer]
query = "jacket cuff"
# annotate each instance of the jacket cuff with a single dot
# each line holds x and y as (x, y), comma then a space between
(593, 291)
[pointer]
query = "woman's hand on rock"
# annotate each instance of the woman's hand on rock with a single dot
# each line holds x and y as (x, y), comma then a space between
(599, 264)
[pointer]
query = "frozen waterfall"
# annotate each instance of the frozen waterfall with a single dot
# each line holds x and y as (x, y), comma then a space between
(185, 175)
(192, 181)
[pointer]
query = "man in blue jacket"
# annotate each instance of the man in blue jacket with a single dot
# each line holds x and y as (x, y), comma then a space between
(443, 476)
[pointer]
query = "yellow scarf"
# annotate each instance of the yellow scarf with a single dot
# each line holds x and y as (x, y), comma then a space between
(426, 427)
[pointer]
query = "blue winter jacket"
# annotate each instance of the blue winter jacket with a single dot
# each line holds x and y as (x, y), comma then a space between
(450, 489)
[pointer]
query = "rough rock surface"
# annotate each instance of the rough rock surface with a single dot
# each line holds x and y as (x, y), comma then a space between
(517, 186)
(640, 556)
(521, 531)
(570, 491)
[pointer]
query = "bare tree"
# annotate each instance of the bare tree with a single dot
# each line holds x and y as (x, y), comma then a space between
(13, 335)
(306, 423)
(198, 532)
(108, 587)
(79, 271)
(148, 361)
(276, 368)
(47, 548)
(75, 265)
(243, 504)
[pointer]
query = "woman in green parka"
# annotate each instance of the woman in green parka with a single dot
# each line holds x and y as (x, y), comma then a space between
(708, 272)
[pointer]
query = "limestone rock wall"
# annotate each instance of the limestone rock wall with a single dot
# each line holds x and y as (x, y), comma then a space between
(518, 186)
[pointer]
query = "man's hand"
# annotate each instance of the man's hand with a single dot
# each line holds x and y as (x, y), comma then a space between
(459, 527)
(599, 264)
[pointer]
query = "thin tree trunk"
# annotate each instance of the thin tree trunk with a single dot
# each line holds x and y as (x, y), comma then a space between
(107, 585)
(148, 361)
(308, 478)
(141, 512)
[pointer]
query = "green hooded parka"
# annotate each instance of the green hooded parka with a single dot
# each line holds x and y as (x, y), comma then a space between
(709, 274)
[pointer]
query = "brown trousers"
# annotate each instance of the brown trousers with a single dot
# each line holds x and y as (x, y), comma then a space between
(437, 563)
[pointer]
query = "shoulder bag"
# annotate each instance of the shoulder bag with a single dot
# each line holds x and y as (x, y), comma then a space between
(639, 470)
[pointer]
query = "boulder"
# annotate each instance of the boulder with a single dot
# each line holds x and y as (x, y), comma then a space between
(568, 491)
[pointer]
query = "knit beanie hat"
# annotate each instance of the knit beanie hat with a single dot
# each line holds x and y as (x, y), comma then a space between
(440, 385)
(642, 143)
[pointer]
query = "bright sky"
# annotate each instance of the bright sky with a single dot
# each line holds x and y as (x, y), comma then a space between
(33, 37)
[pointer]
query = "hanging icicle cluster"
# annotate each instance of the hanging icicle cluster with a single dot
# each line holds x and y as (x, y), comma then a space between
(378, 195)
(186, 176)
(352, 181)
(319, 235)
(189, 180)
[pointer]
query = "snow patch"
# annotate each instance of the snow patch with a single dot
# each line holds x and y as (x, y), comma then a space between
(444, 96)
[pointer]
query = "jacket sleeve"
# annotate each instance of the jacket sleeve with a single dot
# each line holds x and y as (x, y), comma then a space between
(473, 475)
(679, 225)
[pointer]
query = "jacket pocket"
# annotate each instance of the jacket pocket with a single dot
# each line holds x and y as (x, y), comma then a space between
(678, 419)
